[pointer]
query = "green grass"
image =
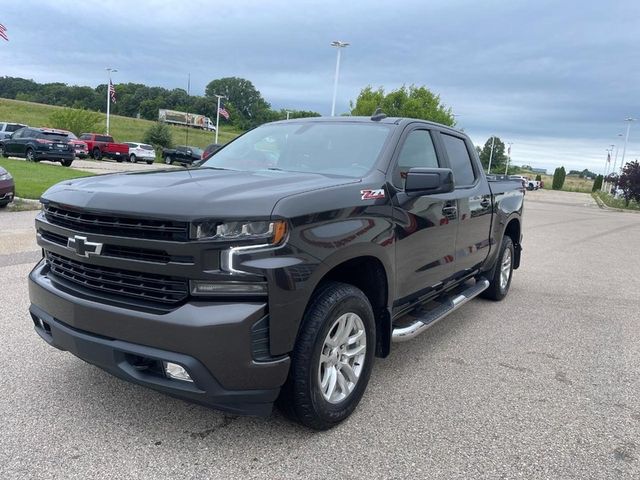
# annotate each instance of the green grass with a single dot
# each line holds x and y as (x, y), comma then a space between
(612, 202)
(32, 179)
(571, 184)
(123, 129)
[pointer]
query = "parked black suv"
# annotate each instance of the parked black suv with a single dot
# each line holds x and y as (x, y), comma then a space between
(35, 144)
(279, 268)
(181, 154)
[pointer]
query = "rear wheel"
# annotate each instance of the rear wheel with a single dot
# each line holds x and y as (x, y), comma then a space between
(66, 163)
(4, 205)
(149, 162)
(97, 154)
(501, 280)
(2, 152)
(30, 155)
(332, 359)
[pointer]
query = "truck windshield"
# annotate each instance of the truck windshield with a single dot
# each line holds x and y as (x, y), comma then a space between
(340, 148)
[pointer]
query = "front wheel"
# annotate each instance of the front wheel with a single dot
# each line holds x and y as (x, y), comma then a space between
(66, 163)
(332, 359)
(168, 160)
(149, 162)
(132, 158)
(3, 153)
(97, 154)
(30, 155)
(501, 280)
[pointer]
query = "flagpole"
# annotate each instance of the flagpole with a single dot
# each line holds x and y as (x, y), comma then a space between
(506, 170)
(186, 142)
(218, 116)
(108, 96)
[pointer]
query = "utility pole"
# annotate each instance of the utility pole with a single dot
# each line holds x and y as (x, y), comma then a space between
(110, 70)
(339, 45)
(288, 112)
(218, 115)
(493, 142)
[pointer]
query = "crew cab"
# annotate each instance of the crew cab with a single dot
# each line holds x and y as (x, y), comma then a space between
(183, 154)
(36, 144)
(278, 269)
(103, 146)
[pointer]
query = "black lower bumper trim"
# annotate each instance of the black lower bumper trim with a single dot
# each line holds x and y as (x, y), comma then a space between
(115, 356)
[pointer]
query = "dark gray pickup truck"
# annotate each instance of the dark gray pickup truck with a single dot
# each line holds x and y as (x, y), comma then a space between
(278, 269)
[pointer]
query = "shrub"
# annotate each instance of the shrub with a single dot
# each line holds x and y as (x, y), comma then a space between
(558, 178)
(597, 185)
(159, 135)
(538, 178)
(75, 120)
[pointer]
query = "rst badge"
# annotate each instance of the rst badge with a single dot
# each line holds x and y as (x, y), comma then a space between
(372, 194)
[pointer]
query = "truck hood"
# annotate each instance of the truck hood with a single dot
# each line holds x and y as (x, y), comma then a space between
(188, 194)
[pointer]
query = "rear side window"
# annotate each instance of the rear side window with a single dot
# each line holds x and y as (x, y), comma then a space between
(12, 127)
(459, 159)
(417, 151)
(104, 138)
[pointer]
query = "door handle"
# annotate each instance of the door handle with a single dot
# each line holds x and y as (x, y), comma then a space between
(485, 203)
(449, 209)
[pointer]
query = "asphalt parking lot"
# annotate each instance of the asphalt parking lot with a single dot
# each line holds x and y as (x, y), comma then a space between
(542, 385)
(110, 166)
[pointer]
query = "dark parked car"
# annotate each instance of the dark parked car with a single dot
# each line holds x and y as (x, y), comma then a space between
(35, 144)
(181, 154)
(210, 150)
(7, 188)
(280, 267)
(7, 128)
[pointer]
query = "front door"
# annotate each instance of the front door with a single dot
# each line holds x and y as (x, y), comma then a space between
(425, 224)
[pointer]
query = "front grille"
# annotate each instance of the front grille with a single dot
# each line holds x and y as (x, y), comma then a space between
(146, 287)
(129, 253)
(116, 225)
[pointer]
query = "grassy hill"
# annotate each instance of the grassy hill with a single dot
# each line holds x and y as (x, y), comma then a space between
(123, 129)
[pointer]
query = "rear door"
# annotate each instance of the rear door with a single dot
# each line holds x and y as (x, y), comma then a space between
(473, 204)
(425, 231)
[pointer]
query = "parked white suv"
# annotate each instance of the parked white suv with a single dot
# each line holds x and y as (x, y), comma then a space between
(526, 182)
(141, 151)
(7, 128)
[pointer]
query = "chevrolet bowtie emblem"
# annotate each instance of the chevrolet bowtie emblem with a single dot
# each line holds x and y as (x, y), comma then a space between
(82, 247)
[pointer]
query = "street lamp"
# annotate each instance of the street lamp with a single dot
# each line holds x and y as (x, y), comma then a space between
(506, 170)
(626, 139)
(110, 71)
(339, 45)
(288, 112)
(493, 142)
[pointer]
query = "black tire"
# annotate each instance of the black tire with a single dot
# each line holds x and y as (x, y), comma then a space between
(119, 159)
(168, 160)
(66, 163)
(132, 158)
(497, 291)
(2, 152)
(29, 155)
(4, 205)
(96, 154)
(301, 398)
(149, 162)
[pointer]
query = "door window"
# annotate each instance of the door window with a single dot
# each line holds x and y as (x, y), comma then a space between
(459, 159)
(417, 151)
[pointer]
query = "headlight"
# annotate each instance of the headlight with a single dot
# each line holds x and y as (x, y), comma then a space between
(271, 232)
(6, 176)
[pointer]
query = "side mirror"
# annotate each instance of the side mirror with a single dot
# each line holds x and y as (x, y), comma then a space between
(429, 181)
(189, 152)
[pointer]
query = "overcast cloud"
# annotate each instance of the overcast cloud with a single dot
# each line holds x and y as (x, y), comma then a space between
(556, 78)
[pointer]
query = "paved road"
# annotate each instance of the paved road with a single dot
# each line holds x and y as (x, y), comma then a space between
(542, 385)
(110, 166)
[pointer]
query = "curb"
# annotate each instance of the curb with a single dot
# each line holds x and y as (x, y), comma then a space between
(604, 206)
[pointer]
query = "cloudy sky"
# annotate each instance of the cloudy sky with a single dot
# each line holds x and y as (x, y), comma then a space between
(556, 78)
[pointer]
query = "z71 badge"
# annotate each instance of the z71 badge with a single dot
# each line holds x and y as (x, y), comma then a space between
(372, 194)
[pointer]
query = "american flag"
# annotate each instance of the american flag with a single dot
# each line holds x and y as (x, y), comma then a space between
(112, 92)
(223, 111)
(608, 157)
(3, 32)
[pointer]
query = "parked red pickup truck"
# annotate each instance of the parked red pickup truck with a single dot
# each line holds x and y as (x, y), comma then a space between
(100, 146)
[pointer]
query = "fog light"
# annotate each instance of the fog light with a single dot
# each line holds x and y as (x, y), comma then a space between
(177, 372)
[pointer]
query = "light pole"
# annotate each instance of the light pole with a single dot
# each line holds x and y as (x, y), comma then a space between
(606, 168)
(288, 112)
(626, 139)
(615, 161)
(339, 45)
(218, 115)
(110, 70)
(493, 142)
(506, 170)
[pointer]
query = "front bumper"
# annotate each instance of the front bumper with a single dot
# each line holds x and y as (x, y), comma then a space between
(7, 191)
(211, 340)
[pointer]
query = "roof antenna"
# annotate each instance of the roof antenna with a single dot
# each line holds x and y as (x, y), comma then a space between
(378, 115)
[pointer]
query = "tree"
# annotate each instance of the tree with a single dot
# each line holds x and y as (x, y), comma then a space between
(597, 184)
(75, 120)
(251, 109)
(499, 159)
(558, 178)
(629, 182)
(159, 135)
(412, 102)
(538, 178)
